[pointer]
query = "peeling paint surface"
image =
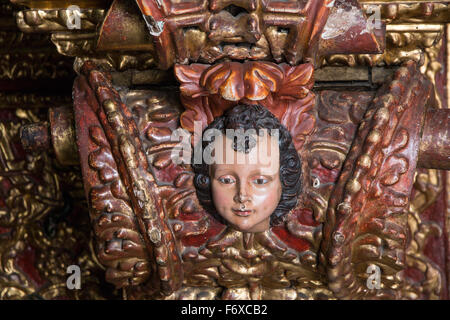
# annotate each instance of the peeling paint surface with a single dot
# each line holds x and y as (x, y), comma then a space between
(340, 21)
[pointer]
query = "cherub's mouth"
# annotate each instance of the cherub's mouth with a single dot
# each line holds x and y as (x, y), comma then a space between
(242, 213)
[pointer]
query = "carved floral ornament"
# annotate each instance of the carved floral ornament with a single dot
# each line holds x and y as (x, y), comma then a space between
(207, 91)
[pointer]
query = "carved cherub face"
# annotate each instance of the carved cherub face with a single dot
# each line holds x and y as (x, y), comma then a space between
(267, 186)
(247, 190)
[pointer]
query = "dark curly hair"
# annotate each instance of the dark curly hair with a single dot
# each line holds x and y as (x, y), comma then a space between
(258, 118)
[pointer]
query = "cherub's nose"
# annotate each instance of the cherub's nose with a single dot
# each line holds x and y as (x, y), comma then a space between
(241, 194)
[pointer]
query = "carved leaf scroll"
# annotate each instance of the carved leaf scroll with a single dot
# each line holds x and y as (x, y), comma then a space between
(208, 91)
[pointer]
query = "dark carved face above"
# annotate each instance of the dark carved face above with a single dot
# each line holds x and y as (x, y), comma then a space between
(206, 31)
(253, 29)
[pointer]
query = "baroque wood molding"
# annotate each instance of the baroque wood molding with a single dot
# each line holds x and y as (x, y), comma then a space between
(372, 194)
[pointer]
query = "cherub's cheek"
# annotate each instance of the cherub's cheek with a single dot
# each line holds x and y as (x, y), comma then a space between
(220, 195)
(267, 196)
(222, 200)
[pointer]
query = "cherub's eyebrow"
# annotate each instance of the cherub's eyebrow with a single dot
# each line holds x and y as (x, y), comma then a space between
(213, 169)
(263, 172)
(222, 171)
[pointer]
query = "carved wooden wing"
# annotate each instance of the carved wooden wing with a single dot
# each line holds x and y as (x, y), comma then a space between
(134, 241)
(366, 222)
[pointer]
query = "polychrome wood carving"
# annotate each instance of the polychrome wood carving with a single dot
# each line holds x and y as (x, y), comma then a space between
(354, 185)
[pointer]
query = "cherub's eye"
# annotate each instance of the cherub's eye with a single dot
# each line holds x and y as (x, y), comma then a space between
(226, 180)
(260, 180)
